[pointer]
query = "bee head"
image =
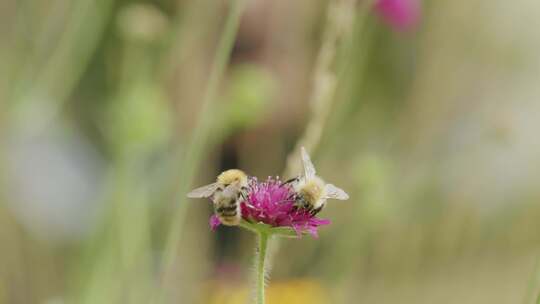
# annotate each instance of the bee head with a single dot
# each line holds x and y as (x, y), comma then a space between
(233, 176)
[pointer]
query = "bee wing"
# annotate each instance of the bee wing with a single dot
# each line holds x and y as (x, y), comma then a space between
(309, 169)
(204, 191)
(230, 191)
(335, 192)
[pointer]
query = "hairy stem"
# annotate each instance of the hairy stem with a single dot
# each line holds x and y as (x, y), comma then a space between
(339, 23)
(261, 266)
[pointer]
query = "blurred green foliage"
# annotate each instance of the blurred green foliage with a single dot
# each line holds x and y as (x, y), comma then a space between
(251, 88)
(138, 120)
(432, 132)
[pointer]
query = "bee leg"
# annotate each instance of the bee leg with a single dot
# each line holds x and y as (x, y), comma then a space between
(316, 210)
(290, 181)
(242, 195)
(297, 203)
(293, 197)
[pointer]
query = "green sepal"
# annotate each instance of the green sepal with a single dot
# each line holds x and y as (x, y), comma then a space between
(269, 230)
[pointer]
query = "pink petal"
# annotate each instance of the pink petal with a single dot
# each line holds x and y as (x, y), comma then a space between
(214, 222)
(320, 222)
(298, 230)
(313, 232)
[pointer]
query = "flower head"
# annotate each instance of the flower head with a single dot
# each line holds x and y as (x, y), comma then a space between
(402, 15)
(272, 203)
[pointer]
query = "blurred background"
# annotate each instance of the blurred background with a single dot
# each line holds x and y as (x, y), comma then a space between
(107, 119)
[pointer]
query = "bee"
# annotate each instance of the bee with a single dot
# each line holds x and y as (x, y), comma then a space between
(229, 190)
(310, 191)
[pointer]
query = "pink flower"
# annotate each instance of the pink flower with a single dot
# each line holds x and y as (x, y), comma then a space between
(214, 222)
(272, 203)
(402, 15)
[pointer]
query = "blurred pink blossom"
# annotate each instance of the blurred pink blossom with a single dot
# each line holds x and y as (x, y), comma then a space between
(402, 15)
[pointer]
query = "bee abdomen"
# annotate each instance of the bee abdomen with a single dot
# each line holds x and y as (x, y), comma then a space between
(229, 213)
(230, 219)
(227, 209)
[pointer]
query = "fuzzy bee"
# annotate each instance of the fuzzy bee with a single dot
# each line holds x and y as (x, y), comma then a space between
(311, 192)
(226, 193)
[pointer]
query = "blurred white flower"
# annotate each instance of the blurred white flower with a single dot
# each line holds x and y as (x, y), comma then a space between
(493, 154)
(53, 182)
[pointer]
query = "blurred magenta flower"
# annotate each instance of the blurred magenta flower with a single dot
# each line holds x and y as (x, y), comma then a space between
(272, 203)
(402, 15)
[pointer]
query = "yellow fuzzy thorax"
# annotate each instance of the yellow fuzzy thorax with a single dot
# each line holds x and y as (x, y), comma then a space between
(232, 176)
(312, 190)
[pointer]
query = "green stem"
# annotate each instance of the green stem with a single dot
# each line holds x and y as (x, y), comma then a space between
(339, 25)
(200, 135)
(260, 265)
(532, 288)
